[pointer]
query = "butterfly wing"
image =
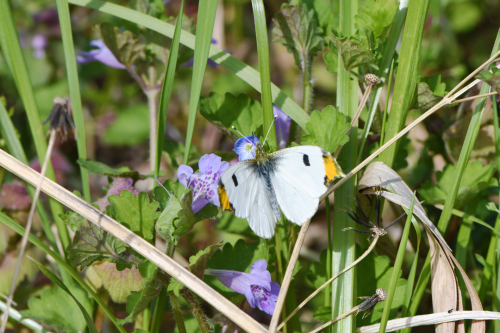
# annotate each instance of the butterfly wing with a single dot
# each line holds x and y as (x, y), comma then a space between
(302, 175)
(244, 193)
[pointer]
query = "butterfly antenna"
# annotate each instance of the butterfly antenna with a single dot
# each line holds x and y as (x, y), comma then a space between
(269, 130)
(242, 135)
(159, 183)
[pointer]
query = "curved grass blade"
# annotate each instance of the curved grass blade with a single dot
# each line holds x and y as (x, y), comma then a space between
(166, 90)
(60, 284)
(11, 50)
(204, 30)
(74, 89)
(4, 219)
(259, 16)
(239, 68)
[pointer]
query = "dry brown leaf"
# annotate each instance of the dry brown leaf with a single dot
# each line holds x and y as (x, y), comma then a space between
(445, 289)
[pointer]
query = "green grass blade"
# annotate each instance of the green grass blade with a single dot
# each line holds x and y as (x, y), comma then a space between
(259, 16)
(60, 284)
(74, 89)
(11, 49)
(413, 270)
(406, 77)
(15, 149)
(396, 270)
(492, 248)
(461, 164)
(387, 60)
(4, 219)
(344, 243)
(204, 30)
(166, 90)
(239, 68)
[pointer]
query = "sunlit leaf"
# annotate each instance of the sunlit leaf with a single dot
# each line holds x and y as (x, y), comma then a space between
(136, 213)
(328, 129)
(376, 16)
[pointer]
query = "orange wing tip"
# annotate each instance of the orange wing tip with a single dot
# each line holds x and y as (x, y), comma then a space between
(224, 200)
(332, 169)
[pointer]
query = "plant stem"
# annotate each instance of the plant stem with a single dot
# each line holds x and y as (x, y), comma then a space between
(17, 316)
(386, 109)
(176, 307)
(397, 269)
(29, 223)
(196, 310)
(327, 283)
(152, 95)
(328, 291)
(336, 319)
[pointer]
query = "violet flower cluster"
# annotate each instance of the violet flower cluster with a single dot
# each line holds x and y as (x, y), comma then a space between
(204, 183)
(257, 286)
(102, 54)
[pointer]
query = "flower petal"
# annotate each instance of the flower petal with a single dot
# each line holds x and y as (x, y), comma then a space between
(198, 204)
(238, 281)
(249, 296)
(282, 126)
(245, 147)
(184, 174)
(259, 264)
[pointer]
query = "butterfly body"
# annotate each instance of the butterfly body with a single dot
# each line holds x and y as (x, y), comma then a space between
(292, 179)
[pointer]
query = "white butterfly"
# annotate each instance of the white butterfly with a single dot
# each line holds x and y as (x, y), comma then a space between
(292, 179)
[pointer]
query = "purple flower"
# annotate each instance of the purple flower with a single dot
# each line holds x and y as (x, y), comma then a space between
(282, 125)
(256, 286)
(245, 147)
(204, 183)
(39, 43)
(118, 185)
(101, 54)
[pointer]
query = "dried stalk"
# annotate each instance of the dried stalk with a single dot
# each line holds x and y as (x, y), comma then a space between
(137, 243)
(24, 241)
(334, 320)
(430, 319)
(301, 305)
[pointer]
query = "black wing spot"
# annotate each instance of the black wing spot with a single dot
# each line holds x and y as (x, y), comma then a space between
(326, 180)
(232, 207)
(306, 160)
(235, 180)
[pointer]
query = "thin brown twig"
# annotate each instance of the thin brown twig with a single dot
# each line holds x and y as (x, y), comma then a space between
(370, 248)
(334, 320)
(473, 97)
(29, 223)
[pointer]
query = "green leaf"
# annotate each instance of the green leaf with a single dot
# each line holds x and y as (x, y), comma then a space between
(327, 129)
(239, 258)
(327, 12)
(57, 310)
(102, 169)
(136, 213)
(375, 272)
(139, 300)
(177, 218)
(225, 111)
(426, 98)
(492, 78)
(331, 58)
(82, 295)
(317, 271)
(130, 127)
(376, 16)
(232, 224)
(475, 180)
(124, 45)
(356, 50)
(324, 313)
(175, 188)
(92, 243)
(197, 266)
(297, 28)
